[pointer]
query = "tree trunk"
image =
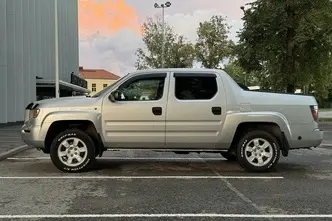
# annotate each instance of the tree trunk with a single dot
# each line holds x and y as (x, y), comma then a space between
(290, 88)
(290, 58)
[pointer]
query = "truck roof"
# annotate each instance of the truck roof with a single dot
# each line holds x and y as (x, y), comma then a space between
(189, 70)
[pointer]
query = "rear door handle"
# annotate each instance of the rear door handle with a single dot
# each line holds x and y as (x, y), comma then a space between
(216, 110)
(157, 110)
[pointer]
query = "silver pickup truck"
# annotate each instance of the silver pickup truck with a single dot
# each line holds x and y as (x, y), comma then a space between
(176, 110)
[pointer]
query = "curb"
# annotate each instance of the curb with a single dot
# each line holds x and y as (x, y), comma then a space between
(324, 119)
(14, 151)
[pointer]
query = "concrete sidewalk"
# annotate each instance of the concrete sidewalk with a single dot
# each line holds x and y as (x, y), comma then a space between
(10, 141)
(325, 115)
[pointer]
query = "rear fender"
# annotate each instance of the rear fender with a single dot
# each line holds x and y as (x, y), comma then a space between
(234, 119)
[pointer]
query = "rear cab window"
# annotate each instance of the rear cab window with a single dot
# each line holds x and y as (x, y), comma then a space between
(195, 86)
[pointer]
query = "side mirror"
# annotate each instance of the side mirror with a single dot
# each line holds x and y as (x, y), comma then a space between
(114, 96)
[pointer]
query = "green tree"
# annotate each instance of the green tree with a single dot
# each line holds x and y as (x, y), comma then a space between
(212, 44)
(178, 52)
(290, 42)
(240, 75)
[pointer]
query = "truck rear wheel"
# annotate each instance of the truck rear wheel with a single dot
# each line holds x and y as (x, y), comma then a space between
(258, 151)
(72, 151)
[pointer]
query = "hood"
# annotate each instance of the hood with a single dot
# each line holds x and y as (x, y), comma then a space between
(68, 102)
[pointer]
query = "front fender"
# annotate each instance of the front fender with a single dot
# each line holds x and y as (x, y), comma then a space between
(50, 118)
(232, 121)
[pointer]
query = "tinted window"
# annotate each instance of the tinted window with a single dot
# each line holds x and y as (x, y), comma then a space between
(195, 88)
(143, 89)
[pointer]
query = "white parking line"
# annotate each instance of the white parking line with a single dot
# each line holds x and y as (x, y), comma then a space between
(138, 177)
(326, 144)
(28, 158)
(210, 215)
(122, 158)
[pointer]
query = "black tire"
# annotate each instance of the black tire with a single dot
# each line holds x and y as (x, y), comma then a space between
(249, 137)
(229, 156)
(67, 135)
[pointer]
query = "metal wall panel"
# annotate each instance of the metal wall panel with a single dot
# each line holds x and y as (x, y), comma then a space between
(26, 69)
(27, 50)
(18, 111)
(11, 72)
(33, 52)
(3, 61)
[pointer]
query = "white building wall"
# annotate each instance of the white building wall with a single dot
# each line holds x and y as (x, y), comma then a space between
(27, 50)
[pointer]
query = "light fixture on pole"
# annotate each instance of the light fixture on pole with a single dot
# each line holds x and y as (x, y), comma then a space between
(163, 6)
(242, 8)
(57, 87)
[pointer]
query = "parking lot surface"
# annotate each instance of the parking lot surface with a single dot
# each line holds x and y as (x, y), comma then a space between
(10, 138)
(140, 185)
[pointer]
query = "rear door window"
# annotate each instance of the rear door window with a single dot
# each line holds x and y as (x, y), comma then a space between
(195, 87)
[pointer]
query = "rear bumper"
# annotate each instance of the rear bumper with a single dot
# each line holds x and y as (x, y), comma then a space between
(312, 139)
(30, 136)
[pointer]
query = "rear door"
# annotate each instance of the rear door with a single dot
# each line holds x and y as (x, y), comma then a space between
(195, 110)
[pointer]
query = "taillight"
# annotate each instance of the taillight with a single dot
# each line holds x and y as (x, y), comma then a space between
(314, 112)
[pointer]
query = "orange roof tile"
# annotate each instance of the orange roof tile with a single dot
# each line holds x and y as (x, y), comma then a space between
(97, 74)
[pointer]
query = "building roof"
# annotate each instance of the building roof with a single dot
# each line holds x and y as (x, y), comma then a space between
(97, 74)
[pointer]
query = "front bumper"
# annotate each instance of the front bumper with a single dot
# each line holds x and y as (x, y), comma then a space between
(30, 134)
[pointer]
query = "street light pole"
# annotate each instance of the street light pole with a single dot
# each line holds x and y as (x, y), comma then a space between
(163, 44)
(245, 73)
(57, 87)
(163, 6)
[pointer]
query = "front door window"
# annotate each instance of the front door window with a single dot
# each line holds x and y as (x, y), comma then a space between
(146, 89)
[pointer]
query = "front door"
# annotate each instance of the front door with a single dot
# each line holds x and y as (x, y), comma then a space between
(195, 111)
(136, 119)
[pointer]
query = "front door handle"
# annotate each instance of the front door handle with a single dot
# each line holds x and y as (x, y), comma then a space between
(216, 110)
(157, 110)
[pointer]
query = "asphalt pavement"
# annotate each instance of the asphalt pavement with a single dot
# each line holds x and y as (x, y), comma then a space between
(10, 138)
(141, 185)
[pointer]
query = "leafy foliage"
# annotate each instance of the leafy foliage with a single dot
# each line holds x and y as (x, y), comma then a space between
(212, 44)
(234, 69)
(178, 52)
(288, 43)
(284, 45)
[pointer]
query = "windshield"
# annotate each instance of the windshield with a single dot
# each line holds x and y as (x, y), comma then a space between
(108, 87)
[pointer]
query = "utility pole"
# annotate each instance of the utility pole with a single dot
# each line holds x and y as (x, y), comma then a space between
(163, 6)
(245, 73)
(57, 87)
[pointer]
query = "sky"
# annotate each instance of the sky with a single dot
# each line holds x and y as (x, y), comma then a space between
(110, 33)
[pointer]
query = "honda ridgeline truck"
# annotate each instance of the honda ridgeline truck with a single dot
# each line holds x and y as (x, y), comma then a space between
(174, 110)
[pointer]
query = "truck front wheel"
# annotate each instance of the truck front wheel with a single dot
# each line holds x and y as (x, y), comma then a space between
(72, 151)
(258, 151)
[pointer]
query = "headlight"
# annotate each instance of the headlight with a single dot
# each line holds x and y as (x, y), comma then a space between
(34, 113)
